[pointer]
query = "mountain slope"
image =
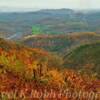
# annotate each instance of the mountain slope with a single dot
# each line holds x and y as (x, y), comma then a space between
(18, 58)
(60, 43)
(24, 71)
(85, 56)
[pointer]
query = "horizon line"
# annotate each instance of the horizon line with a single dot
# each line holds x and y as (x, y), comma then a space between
(39, 9)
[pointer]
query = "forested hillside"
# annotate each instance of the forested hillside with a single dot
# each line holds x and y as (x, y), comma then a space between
(84, 57)
(60, 43)
(26, 70)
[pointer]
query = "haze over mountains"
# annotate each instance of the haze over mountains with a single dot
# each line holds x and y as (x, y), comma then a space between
(50, 21)
(52, 49)
(16, 9)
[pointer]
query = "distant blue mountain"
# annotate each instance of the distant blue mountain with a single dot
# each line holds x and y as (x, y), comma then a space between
(50, 21)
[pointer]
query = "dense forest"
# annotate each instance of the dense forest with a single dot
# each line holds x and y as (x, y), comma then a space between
(52, 57)
(30, 69)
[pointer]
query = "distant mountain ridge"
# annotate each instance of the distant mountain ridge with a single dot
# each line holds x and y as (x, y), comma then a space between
(54, 21)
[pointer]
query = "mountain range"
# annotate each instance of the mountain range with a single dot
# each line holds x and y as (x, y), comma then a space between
(47, 50)
(49, 21)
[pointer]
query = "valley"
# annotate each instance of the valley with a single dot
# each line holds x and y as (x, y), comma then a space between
(58, 52)
(60, 21)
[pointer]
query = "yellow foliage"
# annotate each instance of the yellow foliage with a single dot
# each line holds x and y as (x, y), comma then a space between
(56, 77)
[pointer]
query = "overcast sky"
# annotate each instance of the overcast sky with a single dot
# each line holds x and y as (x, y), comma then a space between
(43, 4)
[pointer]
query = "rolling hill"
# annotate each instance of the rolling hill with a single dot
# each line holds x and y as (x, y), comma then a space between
(84, 57)
(60, 43)
(51, 22)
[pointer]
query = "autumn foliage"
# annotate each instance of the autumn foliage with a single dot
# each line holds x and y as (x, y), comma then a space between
(24, 70)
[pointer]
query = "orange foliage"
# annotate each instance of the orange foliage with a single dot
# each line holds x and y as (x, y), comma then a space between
(30, 61)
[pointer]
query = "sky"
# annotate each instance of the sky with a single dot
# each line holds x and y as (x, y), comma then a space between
(49, 4)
